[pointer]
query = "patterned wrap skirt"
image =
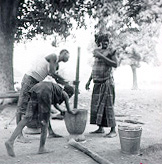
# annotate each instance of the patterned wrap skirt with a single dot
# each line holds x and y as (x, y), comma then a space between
(102, 104)
(27, 83)
(39, 107)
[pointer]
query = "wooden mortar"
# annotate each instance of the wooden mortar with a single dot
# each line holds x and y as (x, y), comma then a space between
(75, 124)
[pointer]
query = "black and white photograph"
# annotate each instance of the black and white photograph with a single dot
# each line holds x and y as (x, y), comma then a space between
(81, 81)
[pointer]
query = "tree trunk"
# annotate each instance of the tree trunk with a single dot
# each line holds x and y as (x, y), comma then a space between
(8, 12)
(135, 85)
(6, 64)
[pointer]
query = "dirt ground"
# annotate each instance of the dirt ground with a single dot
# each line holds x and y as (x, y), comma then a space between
(144, 106)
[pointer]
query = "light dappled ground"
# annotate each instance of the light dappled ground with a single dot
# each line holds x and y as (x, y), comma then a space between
(143, 105)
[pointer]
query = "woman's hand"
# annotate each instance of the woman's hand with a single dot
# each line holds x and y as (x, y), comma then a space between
(96, 53)
(87, 85)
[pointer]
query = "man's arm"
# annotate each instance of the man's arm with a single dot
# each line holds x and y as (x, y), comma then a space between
(59, 79)
(52, 59)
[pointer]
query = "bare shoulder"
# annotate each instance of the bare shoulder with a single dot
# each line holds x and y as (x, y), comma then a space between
(52, 57)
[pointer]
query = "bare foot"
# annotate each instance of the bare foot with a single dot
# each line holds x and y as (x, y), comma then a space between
(111, 135)
(54, 135)
(98, 131)
(22, 139)
(43, 151)
(9, 148)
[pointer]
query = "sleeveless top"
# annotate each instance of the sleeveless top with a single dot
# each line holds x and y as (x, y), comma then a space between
(40, 70)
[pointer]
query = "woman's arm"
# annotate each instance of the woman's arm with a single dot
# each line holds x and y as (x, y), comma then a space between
(111, 62)
(88, 83)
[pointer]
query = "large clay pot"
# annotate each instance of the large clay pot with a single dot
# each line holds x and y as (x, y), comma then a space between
(75, 124)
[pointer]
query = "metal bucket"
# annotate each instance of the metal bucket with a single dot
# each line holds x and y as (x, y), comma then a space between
(130, 138)
(75, 124)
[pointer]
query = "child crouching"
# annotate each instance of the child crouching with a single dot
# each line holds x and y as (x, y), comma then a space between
(42, 96)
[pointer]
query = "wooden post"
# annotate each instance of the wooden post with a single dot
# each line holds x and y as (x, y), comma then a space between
(76, 83)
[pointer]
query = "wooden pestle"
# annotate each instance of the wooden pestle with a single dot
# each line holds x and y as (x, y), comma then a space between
(90, 153)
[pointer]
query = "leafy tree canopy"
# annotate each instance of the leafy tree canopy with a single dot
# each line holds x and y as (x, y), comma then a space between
(133, 26)
(49, 16)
